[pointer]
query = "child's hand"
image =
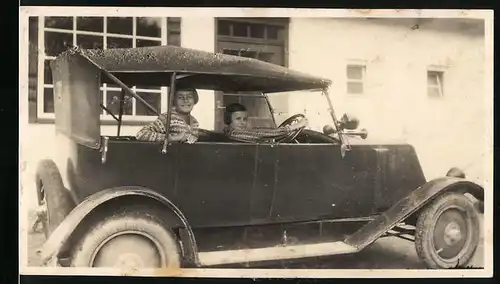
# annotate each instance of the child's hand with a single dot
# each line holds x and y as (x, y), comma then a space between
(302, 123)
(177, 136)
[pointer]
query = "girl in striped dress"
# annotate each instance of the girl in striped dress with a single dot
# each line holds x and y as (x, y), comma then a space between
(183, 126)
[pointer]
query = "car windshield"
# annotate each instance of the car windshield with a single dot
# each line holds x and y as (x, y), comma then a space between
(312, 104)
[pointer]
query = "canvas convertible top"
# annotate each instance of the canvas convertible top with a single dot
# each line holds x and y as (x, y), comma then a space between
(152, 66)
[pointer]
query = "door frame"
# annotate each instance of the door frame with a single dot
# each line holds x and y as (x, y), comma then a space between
(282, 22)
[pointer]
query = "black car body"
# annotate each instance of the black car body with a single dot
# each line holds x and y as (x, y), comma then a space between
(249, 201)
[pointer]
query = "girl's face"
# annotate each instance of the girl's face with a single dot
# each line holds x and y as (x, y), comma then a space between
(184, 101)
(239, 119)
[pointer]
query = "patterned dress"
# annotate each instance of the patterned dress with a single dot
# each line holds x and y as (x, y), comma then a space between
(256, 135)
(155, 131)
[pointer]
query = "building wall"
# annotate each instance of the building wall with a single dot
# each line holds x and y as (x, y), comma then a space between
(446, 132)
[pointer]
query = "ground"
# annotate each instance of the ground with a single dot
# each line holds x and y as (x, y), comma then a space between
(386, 253)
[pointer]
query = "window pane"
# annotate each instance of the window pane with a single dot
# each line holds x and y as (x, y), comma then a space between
(120, 25)
(240, 29)
(432, 78)
(89, 41)
(148, 26)
(59, 22)
(231, 52)
(223, 28)
(174, 39)
(154, 99)
(145, 42)
(113, 103)
(48, 100)
(354, 88)
(272, 32)
(174, 24)
(257, 31)
(116, 42)
(47, 77)
(91, 24)
(433, 92)
(56, 43)
(355, 72)
(265, 56)
(246, 53)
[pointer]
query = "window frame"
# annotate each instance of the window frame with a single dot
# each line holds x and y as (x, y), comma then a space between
(104, 117)
(363, 66)
(440, 73)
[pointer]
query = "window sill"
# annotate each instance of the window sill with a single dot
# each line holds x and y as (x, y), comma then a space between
(103, 122)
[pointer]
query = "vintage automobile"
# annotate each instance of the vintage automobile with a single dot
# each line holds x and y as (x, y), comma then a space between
(114, 201)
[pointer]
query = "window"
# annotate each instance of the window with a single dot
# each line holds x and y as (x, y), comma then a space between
(56, 34)
(435, 84)
(174, 31)
(250, 30)
(355, 79)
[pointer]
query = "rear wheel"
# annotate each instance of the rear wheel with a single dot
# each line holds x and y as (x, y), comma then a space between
(133, 238)
(54, 200)
(447, 232)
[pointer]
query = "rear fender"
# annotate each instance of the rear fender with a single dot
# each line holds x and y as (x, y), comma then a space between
(64, 231)
(410, 205)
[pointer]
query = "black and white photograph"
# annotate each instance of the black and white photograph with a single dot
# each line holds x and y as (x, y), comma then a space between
(256, 142)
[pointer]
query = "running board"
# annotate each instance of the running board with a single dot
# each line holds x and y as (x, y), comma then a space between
(274, 253)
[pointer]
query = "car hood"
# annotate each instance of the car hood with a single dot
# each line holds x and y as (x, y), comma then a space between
(356, 140)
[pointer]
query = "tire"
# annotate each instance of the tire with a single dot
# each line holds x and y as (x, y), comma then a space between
(128, 238)
(52, 195)
(447, 232)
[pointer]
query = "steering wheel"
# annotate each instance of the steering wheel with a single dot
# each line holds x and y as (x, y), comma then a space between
(289, 121)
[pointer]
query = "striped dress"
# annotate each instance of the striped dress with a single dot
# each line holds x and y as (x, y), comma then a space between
(155, 131)
(256, 135)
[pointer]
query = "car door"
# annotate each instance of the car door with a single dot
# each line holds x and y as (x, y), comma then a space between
(214, 183)
(313, 182)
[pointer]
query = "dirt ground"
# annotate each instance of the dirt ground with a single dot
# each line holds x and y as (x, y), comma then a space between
(386, 253)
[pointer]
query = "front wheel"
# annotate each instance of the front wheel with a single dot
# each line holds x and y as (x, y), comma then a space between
(133, 239)
(447, 232)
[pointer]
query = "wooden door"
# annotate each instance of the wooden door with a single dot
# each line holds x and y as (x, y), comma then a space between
(258, 109)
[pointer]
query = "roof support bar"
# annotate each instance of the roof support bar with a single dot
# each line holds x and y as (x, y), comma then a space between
(120, 115)
(121, 84)
(171, 95)
(109, 112)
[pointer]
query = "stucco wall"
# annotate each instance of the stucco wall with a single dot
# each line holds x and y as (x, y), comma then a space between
(446, 132)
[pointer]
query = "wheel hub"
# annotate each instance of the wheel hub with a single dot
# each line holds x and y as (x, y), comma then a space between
(452, 233)
(129, 249)
(129, 260)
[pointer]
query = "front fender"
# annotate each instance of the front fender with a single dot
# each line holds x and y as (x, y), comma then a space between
(62, 233)
(409, 205)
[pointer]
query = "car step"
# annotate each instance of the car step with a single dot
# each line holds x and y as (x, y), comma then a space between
(274, 253)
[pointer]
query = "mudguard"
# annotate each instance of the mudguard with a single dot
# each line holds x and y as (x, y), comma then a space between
(63, 232)
(409, 205)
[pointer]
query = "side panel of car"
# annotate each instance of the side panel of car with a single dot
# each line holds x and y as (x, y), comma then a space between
(214, 183)
(315, 182)
(205, 180)
(397, 173)
(126, 164)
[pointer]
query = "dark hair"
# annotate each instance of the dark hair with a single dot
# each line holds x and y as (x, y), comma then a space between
(192, 90)
(234, 107)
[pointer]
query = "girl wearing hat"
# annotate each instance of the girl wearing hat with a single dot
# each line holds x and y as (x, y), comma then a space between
(183, 126)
